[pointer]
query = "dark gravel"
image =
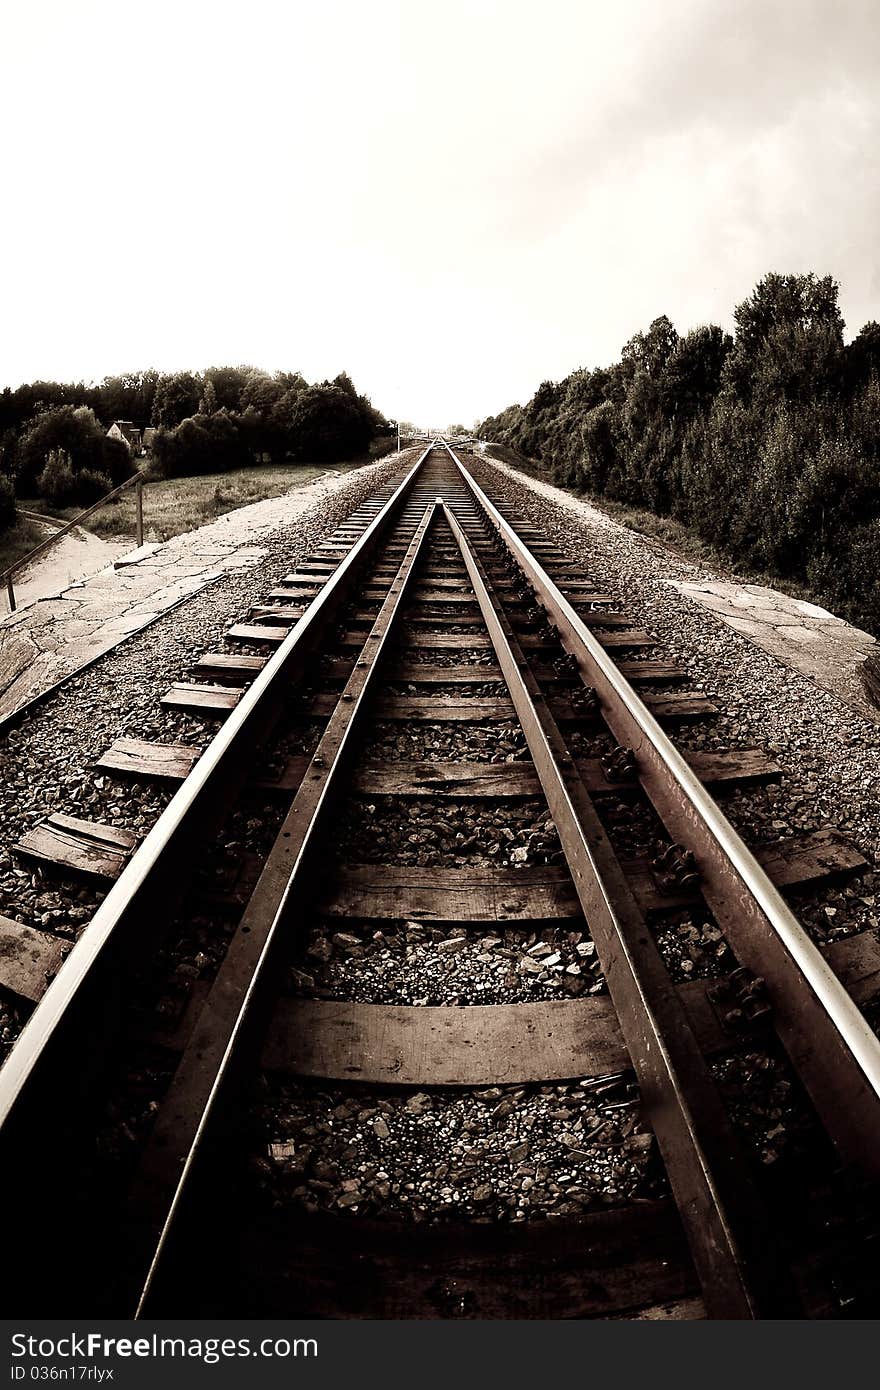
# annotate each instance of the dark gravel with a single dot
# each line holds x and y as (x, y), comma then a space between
(502, 1154)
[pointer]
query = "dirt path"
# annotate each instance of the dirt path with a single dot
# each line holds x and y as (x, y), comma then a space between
(77, 555)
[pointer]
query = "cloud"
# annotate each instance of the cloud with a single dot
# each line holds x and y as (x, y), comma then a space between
(452, 203)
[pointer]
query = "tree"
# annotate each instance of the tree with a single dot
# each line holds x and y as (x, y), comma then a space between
(327, 425)
(789, 339)
(229, 384)
(176, 398)
(343, 382)
(260, 392)
(200, 444)
(77, 433)
(127, 397)
(650, 351)
(7, 504)
(862, 356)
(692, 372)
(805, 302)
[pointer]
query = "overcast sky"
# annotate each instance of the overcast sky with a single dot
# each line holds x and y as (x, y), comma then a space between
(450, 201)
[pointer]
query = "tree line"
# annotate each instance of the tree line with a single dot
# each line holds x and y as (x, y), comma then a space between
(54, 443)
(766, 442)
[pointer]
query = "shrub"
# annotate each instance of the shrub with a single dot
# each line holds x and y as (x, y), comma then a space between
(202, 444)
(7, 503)
(57, 482)
(91, 486)
(61, 485)
(326, 424)
(76, 434)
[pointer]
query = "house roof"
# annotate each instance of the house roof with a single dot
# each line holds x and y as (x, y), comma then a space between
(126, 427)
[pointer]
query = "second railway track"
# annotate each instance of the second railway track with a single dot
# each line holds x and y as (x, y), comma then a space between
(556, 1130)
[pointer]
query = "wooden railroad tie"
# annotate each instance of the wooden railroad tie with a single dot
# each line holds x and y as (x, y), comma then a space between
(128, 757)
(483, 1045)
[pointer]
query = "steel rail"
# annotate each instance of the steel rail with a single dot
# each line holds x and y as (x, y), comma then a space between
(71, 1034)
(186, 801)
(827, 1037)
(725, 1222)
(188, 1112)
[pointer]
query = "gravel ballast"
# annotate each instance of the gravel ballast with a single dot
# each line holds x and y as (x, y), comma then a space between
(829, 755)
(505, 1153)
(46, 762)
(501, 1154)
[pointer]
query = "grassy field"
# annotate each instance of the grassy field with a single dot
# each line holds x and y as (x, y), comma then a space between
(174, 505)
(15, 543)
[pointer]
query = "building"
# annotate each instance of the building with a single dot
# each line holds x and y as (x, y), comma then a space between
(129, 434)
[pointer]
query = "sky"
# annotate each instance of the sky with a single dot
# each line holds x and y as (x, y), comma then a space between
(450, 202)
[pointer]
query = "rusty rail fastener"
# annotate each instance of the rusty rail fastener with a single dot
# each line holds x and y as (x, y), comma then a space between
(743, 997)
(584, 700)
(620, 765)
(566, 665)
(675, 868)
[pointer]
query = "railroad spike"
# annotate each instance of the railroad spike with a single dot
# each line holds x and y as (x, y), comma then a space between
(675, 868)
(584, 700)
(620, 765)
(567, 665)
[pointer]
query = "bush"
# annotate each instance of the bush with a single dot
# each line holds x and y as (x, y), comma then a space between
(61, 485)
(113, 462)
(57, 482)
(76, 434)
(202, 444)
(326, 424)
(7, 503)
(91, 486)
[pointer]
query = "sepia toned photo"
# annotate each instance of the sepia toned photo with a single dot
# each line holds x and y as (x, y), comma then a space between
(439, 682)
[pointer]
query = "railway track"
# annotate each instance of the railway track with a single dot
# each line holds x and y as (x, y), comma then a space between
(436, 664)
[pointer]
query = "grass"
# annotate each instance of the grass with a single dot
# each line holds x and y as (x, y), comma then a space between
(15, 543)
(174, 505)
(688, 545)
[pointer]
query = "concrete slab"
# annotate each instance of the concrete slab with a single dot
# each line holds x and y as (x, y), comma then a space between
(801, 635)
(130, 622)
(81, 619)
(73, 557)
(134, 557)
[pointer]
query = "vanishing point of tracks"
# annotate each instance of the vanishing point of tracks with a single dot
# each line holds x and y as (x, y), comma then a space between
(433, 613)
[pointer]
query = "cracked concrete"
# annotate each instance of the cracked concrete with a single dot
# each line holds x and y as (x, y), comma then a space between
(74, 556)
(54, 636)
(801, 635)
